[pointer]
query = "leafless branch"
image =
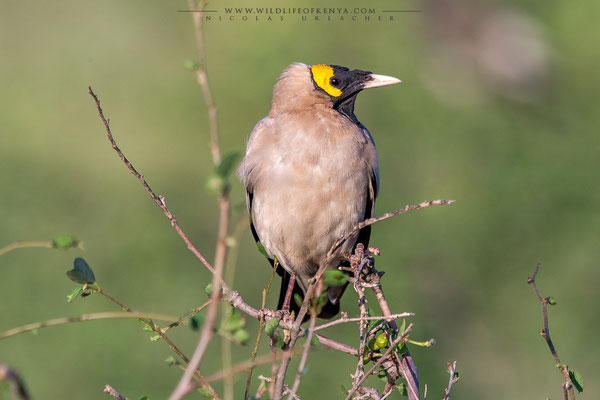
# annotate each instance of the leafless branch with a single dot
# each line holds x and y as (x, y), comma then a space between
(25, 244)
(390, 214)
(81, 318)
(286, 387)
(159, 200)
(261, 328)
(545, 333)
(113, 392)
(304, 358)
(202, 77)
(451, 381)
(344, 320)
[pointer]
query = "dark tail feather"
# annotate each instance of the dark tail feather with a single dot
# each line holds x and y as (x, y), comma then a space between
(328, 311)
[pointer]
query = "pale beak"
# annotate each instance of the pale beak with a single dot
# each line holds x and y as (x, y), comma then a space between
(374, 80)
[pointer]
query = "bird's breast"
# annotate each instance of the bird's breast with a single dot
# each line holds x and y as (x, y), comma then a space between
(312, 188)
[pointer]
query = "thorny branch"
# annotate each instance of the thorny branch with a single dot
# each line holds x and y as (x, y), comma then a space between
(545, 333)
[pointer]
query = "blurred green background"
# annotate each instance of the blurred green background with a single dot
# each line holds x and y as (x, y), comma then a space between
(497, 109)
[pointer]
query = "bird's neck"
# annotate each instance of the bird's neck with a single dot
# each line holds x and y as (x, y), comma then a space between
(346, 108)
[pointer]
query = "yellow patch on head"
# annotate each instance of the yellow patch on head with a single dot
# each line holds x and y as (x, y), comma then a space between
(321, 74)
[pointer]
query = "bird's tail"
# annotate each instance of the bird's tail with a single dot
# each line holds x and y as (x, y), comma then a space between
(329, 310)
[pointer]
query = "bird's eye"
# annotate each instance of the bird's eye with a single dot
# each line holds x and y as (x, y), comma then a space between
(334, 81)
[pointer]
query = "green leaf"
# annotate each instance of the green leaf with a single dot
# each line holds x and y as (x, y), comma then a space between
(64, 242)
(271, 326)
(402, 389)
(334, 277)
(551, 301)
(205, 393)
(314, 340)
(321, 302)
(403, 326)
(298, 299)
(382, 375)
(191, 65)
(196, 322)
(280, 342)
(375, 322)
(262, 249)
(155, 338)
(74, 294)
(148, 328)
(577, 380)
(227, 163)
(170, 361)
(401, 348)
(208, 289)
(241, 336)
(233, 323)
(372, 345)
(215, 184)
(81, 273)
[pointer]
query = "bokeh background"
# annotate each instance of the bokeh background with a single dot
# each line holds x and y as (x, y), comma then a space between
(497, 110)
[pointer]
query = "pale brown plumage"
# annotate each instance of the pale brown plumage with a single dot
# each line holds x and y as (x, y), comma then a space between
(311, 173)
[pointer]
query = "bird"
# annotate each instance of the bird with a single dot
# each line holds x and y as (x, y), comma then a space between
(311, 174)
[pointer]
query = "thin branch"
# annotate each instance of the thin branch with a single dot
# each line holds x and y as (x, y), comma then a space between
(224, 215)
(148, 322)
(390, 214)
(332, 344)
(202, 77)
(261, 328)
(159, 200)
(286, 387)
(113, 392)
(81, 318)
(408, 367)
(451, 381)
(186, 316)
(25, 244)
(304, 358)
(14, 379)
(545, 333)
(344, 320)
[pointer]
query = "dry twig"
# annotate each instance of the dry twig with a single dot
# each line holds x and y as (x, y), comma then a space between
(114, 393)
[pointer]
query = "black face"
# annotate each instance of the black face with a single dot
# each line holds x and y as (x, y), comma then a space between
(350, 83)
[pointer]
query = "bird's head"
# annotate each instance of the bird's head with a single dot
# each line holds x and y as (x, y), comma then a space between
(342, 85)
(329, 84)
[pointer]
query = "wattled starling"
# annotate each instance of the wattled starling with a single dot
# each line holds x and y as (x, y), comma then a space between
(311, 173)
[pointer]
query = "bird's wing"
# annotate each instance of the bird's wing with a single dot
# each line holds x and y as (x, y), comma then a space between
(245, 173)
(365, 234)
(332, 307)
